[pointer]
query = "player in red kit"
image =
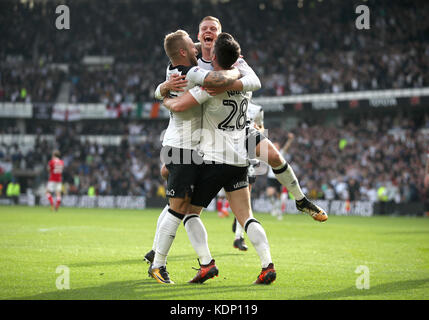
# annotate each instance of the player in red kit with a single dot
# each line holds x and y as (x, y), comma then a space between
(55, 167)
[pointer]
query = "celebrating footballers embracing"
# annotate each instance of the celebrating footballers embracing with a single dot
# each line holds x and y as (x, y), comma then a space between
(208, 145)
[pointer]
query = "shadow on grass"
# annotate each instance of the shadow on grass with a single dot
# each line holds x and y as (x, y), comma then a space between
(190, 257)
(143, 290)
(378, 290)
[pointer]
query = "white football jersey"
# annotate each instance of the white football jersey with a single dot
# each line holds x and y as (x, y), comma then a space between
(223, 136)
(207, 65)
(183, 129)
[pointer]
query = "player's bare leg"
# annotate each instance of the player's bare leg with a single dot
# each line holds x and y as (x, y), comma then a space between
(239, 201)
(266, 151)
(195, 228)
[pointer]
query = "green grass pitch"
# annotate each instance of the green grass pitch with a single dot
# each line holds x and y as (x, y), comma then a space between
(103, 250)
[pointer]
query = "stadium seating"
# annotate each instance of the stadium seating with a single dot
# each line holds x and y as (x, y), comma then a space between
(313, 49)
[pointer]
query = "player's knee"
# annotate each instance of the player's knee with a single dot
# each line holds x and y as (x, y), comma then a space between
(195, 210)
(275, 159)
(179, 205)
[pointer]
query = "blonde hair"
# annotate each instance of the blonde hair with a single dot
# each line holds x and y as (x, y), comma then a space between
(211, 18)
(173, 42)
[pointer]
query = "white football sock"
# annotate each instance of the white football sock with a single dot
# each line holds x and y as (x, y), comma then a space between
(257, 236)
(288, 179)
(166, 234)
(161, 216)
(198, 236)
(239, 230)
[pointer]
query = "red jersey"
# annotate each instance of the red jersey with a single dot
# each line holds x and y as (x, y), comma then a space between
(56, 167)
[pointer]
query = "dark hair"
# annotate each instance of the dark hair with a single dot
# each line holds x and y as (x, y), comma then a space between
(227, 50)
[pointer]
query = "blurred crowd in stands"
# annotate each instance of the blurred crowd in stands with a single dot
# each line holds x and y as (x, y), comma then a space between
(29, 83)
(125, 169)
(361, 159)
(313, 49)
(351, 160)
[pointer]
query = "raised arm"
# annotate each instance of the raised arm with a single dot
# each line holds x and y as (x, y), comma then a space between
(287, 145)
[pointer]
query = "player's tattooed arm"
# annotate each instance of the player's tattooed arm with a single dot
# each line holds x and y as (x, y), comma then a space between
(221, 78)
(237, 85)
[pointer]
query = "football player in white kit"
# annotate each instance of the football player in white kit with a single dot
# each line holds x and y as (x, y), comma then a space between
(262, 147)
(180, 142)
(224, 149)
(258, 145)
(209, 29)
(175, 83)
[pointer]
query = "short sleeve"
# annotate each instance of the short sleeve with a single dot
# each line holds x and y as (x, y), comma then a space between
(197, 75)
